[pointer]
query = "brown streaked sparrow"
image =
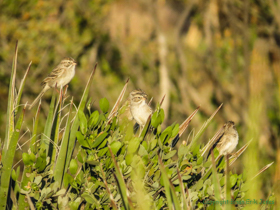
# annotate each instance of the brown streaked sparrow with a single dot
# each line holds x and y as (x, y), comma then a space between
(59, 77)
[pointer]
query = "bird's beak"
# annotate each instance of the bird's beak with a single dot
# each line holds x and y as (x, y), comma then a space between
(75, 63)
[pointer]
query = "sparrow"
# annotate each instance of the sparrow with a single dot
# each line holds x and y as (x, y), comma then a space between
(59, 77)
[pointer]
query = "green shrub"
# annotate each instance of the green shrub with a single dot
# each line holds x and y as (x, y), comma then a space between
(113, 167)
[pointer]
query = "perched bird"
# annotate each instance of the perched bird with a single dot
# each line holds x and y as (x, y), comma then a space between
(59, 77)
(140, 110)
(228, 139)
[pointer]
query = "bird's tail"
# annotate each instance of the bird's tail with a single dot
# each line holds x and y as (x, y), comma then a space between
(39, 97)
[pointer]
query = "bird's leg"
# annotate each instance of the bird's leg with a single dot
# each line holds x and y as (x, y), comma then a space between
(232, 155)
(60, 94)
(65, 91)
(56, 89)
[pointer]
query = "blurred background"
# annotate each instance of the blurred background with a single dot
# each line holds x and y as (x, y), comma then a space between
(196, 52)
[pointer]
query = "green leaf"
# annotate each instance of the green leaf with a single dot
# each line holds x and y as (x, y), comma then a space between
(80, 177)
(67, 180)
(186, 177)
(74, 205)
(183, 150)
(103, 144)
(233, 179)
(161, 115)
(153, 144)
(129, 158)
(73, 167)
(89, 198)
(133, 145)
(60, 192)
(199, 161)
(41, 163)
(155, 121)
(82, 156)
(145, 145)
(199, 185)
(169, 155)
(26, 159)
(104, 105)
(81, 140)
(102, 152)
(158, 129)
(195, 149)
(38, 180)
(175, 131)
(99, 139)
(166, 134)
(115, 146)
(14, 175)
(32, 157)
(94, 117)
(83, 121)
(142, 151)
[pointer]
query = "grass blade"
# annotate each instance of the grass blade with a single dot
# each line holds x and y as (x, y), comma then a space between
(33, 143)
(238, 153)
(22, 83)
(120, 181)
(211, 142)
(116, 106)
(172, 199)
(55, 129)
(186, 123)
(76, 124)
(8, 163)
(146, 127)
(11, 101)
(205, 125)
(107, 188)
(183, 127)
(263, 169)
(61, 159)
(22, 205)
(227, 184)
(216, 182)
(183, 194)
(45, 143)
(161, 101)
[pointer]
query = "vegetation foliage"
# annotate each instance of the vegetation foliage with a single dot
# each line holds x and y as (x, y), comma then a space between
(196, 52)
(114, 167)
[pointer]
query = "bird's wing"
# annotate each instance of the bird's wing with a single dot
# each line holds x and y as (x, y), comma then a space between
(223, 141)
(220, 139)
(220, 143)
(56, 73)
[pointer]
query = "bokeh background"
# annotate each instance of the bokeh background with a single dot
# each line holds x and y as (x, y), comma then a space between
(196, 52)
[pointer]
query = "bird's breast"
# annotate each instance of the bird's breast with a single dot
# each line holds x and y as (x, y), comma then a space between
(141, 113)
(67, 77)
